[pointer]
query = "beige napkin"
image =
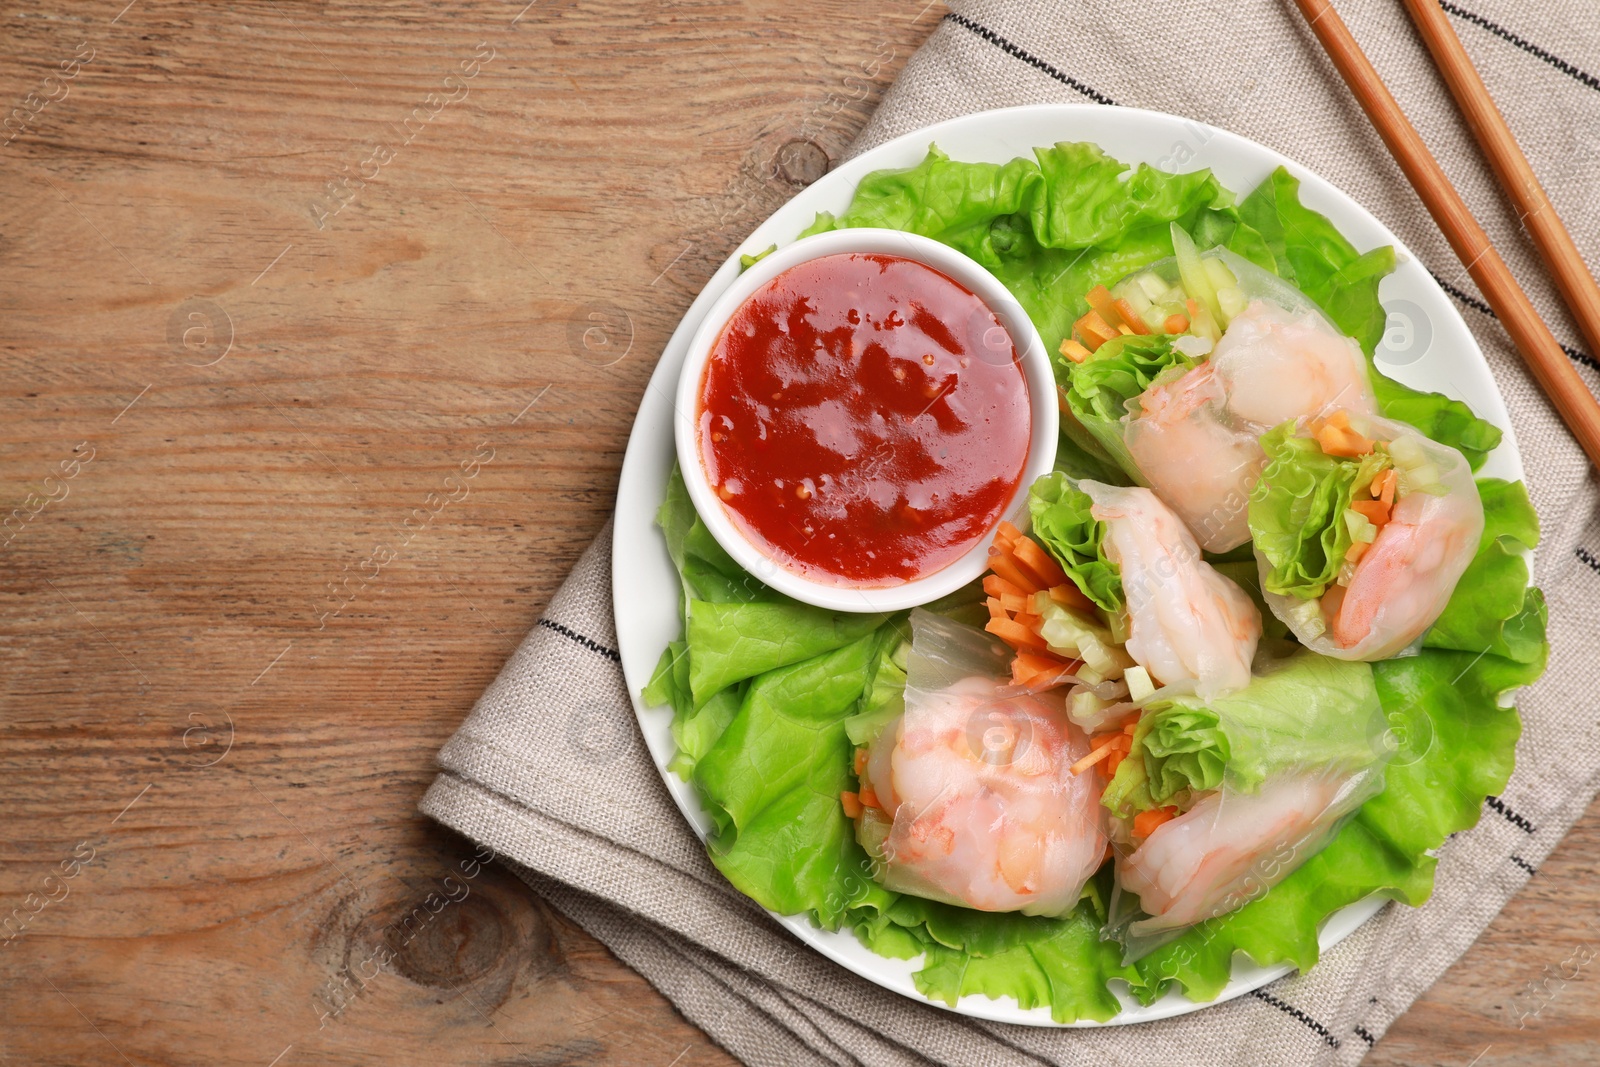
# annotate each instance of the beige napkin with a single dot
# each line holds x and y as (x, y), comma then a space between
(550, 770)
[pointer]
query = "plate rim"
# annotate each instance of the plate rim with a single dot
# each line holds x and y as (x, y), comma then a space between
(662, 379)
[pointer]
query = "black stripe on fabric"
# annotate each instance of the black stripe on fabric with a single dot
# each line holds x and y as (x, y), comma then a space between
(1588, 558)
(1524, 864)
(1295, 1013)
(1361, 1032)
(1512, 817)
(1027, 57)
(1574, 354)
(1523, 43)
(587, 642)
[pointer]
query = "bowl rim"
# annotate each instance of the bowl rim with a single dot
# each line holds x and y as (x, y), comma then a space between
(1038, 376)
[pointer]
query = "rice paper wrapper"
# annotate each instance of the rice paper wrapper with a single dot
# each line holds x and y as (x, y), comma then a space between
(986, 812)
(1401, 585)
(1277, 768)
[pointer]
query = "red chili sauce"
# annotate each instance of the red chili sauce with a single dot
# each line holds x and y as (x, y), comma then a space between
(865, 419)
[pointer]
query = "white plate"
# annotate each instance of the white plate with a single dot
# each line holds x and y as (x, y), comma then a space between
(1428, 347)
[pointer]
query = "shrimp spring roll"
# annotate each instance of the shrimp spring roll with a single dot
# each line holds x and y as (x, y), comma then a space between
(1184, 621)
(1180, 406)
(968, 796)
(1219, 800)
(1362, 529)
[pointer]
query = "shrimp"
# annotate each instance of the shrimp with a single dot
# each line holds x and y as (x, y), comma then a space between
(1201, 465)
(984, 812)
(1230, 848)
(1186, 622)
(1401, 585)
(1276, 365)
(1194, 439)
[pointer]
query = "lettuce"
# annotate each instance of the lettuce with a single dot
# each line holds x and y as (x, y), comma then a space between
(1097, 390)
(729, 642)
(1297, 511)
(1493, 607)
(1062, 523)
(1312, 254)
(769, 751)
(772, 780)
(1117, 372)
(1304, 710)
(883, 697)
(1053, 227)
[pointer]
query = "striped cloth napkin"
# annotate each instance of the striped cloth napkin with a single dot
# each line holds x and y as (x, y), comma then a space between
(588, 823)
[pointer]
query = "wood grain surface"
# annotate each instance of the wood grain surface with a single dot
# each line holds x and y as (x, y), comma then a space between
(270, 273)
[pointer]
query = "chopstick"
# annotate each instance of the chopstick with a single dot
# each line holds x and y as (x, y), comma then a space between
(1540, 350)
(1550, 236)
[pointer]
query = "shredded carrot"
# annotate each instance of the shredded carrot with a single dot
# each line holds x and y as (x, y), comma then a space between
(1145, 823)
(1356, 550)
(861, 760)
(852, 804)
(1175, 324)
(1101, 301)
(1128, 729)
(1075, 351)
(1130, 316)
(1061, 401)
(1068, 596)
(869, 798)
(1384, 485)
(1032, 668)
(1037, 562)
(1333, 601)
(1094, 757)
(1376, 511)
(1002, 564)
(1114, 761)
(997, 608)
(1342, 441)
(1015, 603)
(1193, 307)
(1028, 619)
(1005, 534)
(1016, 635)
(995, 585)
(1093, 330)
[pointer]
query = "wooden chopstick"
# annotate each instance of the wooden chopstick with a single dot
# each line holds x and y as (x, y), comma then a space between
(1540, 350)
(1552, 238)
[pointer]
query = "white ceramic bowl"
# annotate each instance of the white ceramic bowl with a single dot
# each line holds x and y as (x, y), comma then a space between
(1034, 361)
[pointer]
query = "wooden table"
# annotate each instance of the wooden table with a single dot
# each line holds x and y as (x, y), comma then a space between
(272, 273)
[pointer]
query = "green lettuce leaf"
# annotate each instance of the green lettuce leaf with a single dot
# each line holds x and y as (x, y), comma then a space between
(883, 698)
(1118, 371)
(1062, 524)
(729, 642)
(1311, 253)
(1097, 390)
(1297, 511)
(1053, 227)
(1301, 711)
(1062, 964)
(1492, 607)
(772, 780)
